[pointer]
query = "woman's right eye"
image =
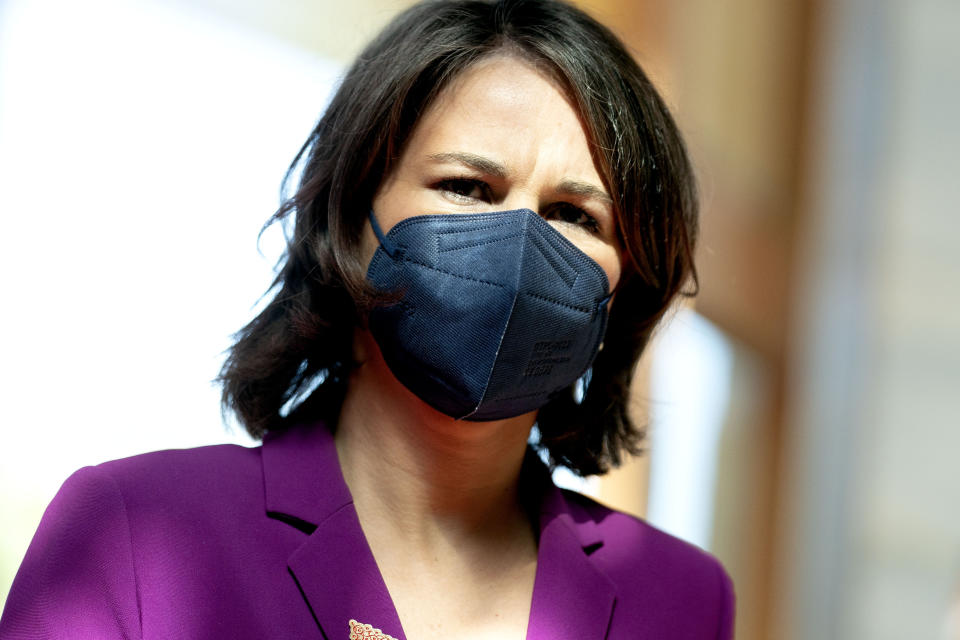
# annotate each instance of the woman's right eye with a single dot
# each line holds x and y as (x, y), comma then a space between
(465, 189)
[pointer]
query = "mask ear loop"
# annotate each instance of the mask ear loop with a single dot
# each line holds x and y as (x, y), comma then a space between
(602, 303)
(387, 245)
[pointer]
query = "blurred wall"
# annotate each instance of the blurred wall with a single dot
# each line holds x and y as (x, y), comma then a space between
(870, 537)
(826, 139)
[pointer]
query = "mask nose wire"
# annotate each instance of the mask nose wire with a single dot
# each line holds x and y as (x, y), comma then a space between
(386, 243)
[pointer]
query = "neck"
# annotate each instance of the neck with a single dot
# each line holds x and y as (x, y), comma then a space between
(421, 474)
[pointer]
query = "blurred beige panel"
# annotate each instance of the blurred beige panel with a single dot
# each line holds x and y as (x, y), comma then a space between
(737, 94)
(740, 66)
(741, 78)
(643, 25)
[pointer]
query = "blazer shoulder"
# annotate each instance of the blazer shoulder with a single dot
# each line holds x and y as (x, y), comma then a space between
(207, 486)
(80, 577)
(654, 567)
(77, 578)
(621, 530)
(198, 468)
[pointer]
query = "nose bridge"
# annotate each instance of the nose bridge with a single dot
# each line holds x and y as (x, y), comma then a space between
(534, 180)
(522, 199)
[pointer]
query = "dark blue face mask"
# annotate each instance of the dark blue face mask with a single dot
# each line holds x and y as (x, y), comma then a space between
(497, 312)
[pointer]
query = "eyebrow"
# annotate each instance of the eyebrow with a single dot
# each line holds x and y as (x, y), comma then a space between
(584, 190)
(484, 165)
(494, 168)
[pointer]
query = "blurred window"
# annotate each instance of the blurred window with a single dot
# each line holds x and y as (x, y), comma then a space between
(691, 379)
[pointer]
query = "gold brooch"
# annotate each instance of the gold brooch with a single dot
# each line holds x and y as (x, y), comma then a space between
(360, 631)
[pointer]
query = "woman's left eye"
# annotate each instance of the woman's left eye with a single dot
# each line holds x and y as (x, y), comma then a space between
(566, 212)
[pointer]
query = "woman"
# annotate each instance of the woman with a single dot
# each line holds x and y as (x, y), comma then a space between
(493, 213)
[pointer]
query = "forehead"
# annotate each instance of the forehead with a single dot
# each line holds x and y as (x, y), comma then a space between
(504, 104)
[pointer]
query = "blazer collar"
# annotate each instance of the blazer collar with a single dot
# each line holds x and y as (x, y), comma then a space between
(339, 578)
(572, 597)
(334, 567)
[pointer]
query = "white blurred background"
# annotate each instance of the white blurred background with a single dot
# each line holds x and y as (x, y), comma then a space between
(141, 150)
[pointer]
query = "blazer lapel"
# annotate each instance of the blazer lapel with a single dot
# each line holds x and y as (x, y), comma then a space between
(334, 568)
(339, 578)
(572, 598)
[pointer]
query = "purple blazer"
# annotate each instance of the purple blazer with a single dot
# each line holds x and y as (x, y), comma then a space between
(230, 542)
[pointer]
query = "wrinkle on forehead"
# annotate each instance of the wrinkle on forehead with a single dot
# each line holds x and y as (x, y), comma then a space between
(487, 110)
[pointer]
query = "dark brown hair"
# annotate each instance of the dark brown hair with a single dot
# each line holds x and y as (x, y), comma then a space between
(298, 350)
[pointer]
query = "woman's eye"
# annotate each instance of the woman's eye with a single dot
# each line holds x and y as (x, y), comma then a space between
(566, 212)
(465, 189)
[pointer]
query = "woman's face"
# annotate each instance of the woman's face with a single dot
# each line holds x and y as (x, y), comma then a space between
(502, 136)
